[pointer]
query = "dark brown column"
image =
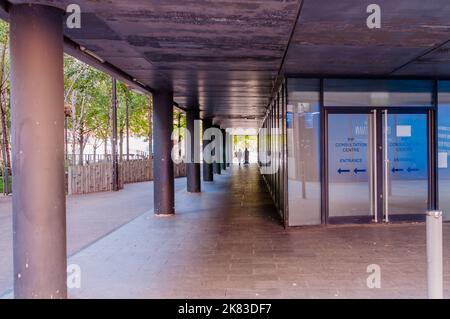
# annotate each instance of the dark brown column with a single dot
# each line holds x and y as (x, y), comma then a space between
(217, 155)
(208, 173)
(224, 149)
(37, 104)
(163, 175)
(193, 167)
(229, 149)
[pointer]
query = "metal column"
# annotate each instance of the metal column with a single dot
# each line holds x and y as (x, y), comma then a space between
(217, 154)
(193, 167)
(37, 104)
(150, 126)
(224, 149)
(127, 122)
(208, 173)
(229, 150)
(163, 175)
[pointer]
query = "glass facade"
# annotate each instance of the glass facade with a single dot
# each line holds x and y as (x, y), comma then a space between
(444, 147)
(358, 148)
(392, 93)
(272, 150)
(303, 150)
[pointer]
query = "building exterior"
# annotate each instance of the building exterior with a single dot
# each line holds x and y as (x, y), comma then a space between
(357, 112)
(358, 150)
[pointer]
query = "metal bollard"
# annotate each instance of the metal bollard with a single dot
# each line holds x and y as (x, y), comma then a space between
(434, 255)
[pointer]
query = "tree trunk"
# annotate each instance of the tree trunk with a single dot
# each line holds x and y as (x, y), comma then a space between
(5, 135)
(81, 146)
(74, 144)
(121, 144)
(108, 126)
(95, 150)
(127, 123)
(150, 127)
(3, 108)
(74, 128)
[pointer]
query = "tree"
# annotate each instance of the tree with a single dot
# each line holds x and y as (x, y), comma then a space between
(4, 95)
(89, 94)
(137, 105)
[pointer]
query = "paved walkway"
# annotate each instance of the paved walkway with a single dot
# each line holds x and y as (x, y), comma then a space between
(228, 242)
(89, 218)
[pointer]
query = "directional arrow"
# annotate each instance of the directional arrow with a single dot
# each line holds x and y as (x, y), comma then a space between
(359, 171)
(394, 170)
(340, 171)
(412, 169)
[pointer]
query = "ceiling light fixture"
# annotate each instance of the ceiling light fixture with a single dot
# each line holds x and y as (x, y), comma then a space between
(91, 54)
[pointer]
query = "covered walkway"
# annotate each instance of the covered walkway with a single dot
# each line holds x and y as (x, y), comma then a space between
(228, 242)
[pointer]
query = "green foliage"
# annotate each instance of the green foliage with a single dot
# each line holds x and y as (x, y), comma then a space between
(87, 98)
(89, 90)
(4, 31)
(137, 111)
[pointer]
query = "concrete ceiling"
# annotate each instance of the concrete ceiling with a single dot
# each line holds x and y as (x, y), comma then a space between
(226, 55)
(221, 54)
(332, 38)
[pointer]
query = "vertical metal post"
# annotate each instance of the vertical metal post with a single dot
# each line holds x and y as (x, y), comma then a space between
(224, 149)
(163, 174)
(115, 160)
(179, 132)
(208, 172)
(37, 106)
(217, 154)
(324, 174)
(386, 183)
(150, 127)
(434, 255)
(229, 150)
(193, 153)
(127, 123)
(66, 139)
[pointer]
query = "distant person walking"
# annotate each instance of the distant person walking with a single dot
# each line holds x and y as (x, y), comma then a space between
(246, 156)
(239, 156)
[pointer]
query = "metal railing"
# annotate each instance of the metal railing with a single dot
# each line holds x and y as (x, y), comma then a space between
(102, 158)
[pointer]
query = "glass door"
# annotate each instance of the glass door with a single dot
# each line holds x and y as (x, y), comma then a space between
(351, 167)
(377, 165)
(405, 173)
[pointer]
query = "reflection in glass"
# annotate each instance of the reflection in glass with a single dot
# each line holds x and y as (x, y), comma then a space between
(303, 138)
(408, 164)
(391, 93)
(444, 147)
(348, 165)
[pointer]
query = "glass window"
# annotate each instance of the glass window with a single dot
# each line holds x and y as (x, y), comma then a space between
(338, 92)
(303, 151)
(444, 147)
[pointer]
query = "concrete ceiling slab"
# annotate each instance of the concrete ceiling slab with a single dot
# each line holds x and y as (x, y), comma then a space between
(226, 55)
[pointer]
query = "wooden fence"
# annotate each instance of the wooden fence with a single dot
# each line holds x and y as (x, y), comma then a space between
(136, 171)
(84, 179)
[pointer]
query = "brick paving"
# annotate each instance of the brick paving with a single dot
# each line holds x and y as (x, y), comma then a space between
(227, 242)
(89, 218)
